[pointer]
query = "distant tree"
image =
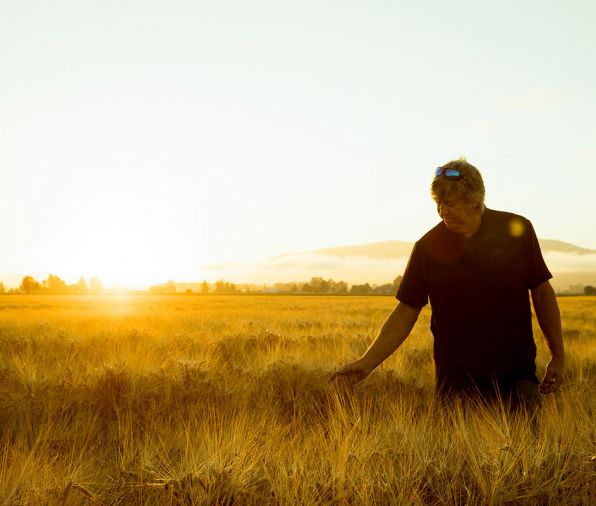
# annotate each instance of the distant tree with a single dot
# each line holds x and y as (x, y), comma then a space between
(81, 286)
(314, 286)
(386, 289)
(95, 285)
(2, 289)
(319, 285)
(222, 286)
(396, 283)
(55, 285)
(204, 287)
(590, 290)
(361, 289)
(340, 287)
(188, 291)
(166, 289)
(29, 285)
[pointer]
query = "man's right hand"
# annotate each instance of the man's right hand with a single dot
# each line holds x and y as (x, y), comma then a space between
(396, 328)
(354, 371)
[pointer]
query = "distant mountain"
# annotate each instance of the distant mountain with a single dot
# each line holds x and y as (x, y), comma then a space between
(398, 249)
(385, 249)
(548, 245)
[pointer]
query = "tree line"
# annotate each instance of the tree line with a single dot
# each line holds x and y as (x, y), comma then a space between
(329, 286)
(56, 285)
(317, 285)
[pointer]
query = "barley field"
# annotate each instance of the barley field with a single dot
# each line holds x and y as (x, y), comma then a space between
(118, 400)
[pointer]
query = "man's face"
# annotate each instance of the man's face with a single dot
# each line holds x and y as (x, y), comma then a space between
(460, 216)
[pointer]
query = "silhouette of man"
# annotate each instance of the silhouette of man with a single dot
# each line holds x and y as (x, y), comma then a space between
(476, 267)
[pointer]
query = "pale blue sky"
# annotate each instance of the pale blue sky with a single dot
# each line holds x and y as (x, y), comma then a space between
(142, 140)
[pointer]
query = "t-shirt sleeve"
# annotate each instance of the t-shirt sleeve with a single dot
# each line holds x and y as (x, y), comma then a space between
(413, 289)
(537, 271)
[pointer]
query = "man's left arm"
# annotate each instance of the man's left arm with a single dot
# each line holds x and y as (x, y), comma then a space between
(549, 319)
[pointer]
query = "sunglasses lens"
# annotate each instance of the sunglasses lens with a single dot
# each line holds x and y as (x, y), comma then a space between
(448, 173)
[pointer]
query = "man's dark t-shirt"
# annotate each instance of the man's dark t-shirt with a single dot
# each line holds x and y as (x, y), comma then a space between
(478, 290)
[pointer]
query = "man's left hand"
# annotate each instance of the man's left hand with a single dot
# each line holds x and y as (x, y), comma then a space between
(553, 377)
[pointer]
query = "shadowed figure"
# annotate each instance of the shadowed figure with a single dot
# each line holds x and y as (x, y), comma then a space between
(478, 268)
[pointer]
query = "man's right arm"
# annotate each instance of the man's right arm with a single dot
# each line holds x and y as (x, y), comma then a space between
(396, 328)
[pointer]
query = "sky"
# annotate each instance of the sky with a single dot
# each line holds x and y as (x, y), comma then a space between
(142, 141)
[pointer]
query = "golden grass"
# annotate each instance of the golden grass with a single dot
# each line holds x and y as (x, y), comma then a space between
(221, 400)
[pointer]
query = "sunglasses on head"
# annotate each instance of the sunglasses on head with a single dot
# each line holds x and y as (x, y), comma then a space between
(453, 174)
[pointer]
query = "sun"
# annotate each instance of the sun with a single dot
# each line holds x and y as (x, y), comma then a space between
(123, 257)
(132, 235)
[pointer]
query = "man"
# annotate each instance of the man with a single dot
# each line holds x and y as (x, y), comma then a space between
(476, 268)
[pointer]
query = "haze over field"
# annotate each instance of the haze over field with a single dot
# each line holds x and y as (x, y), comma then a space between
(381, 262)
(146, 141)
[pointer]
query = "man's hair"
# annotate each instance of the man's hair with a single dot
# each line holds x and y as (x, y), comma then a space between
(469, 187)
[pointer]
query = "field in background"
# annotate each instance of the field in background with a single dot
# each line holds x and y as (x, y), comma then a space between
(221, 400)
